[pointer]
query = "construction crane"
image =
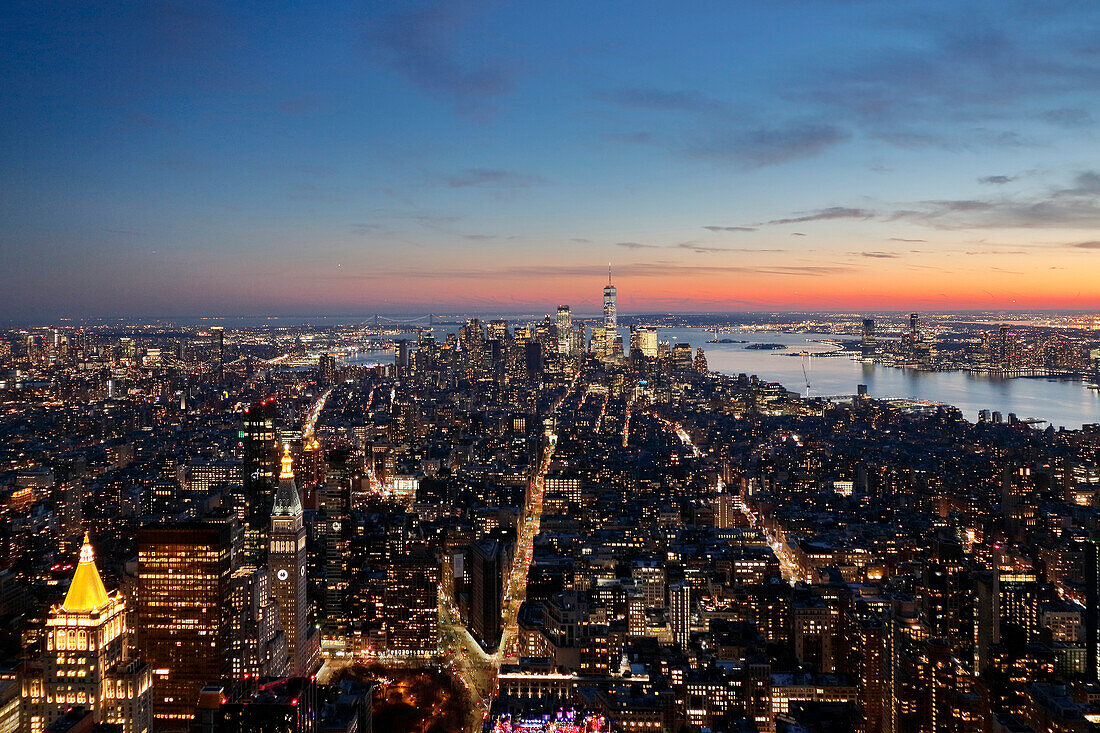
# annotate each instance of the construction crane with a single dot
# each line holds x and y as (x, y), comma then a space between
(805, 374)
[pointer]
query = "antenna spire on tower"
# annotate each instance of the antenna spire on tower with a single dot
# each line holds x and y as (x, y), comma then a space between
(608, 273)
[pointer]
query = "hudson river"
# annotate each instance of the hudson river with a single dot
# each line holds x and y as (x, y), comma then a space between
(1060, 402)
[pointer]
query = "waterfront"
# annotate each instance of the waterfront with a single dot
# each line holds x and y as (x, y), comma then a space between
(1061, 402)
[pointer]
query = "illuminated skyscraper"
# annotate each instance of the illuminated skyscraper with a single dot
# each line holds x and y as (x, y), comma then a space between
(86, 662)
(868, 343)
(679, 613)
(287, 559)
(565, 330)
(182, 612)
(610, 317)
(411, 605)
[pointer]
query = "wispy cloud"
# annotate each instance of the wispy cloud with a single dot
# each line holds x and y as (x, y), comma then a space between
(766, 146)
(966, 75)
(829, 214)
(996, 180)
(1074, 206)
(707, 248)
(1093, 244)
(659, 269)
(492, 178)
(662, 100)
(693, 247)
(1069, 118)
(877, 255)
(634, 138)
(420, 43)
(901, 239)
(637, 245)
(730, 229)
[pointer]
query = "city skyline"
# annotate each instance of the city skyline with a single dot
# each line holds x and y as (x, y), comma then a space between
(165, 161)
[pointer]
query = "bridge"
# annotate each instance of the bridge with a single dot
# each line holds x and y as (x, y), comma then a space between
(427, 319)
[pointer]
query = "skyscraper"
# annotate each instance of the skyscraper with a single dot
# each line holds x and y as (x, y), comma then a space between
(411, 606)
(868, 343)
(181, 611)
(1092, 606)
(287, 559)
(610, 318)
(486, 591)
(261, 462)
(679, 613)
(86, 661)
(565, 330)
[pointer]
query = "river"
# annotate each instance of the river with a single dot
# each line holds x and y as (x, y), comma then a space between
(1058, 401)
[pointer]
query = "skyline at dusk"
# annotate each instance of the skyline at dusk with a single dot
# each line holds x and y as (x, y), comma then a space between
(168, 160)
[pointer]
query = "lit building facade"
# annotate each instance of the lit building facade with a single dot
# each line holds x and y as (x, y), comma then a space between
(411, 608)
(565, 330)
(86, 660)
(185, 578)
(287, 559)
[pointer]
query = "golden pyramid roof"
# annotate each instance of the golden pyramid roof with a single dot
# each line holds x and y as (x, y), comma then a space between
(86, 592)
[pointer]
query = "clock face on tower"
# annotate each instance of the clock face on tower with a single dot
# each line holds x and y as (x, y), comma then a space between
(282, 574)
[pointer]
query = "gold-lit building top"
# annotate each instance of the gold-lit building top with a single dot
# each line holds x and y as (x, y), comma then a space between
(86, 592)
(287, 471)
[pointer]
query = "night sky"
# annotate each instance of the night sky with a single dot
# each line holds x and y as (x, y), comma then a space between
(248, 158)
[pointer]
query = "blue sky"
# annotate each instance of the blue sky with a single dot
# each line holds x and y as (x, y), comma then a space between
(298, 158)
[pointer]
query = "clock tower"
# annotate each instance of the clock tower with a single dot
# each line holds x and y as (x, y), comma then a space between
(287, 559)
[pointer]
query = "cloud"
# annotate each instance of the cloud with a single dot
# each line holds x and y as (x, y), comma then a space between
(634, 138)
(997, 180)
(798, 234)
(765, 146)
(491, 178)
(961, 68)
(1086, 183)
(637, 245)
(660, 269)
(661, 100)
(1074, 207)
(1069, 118)
(878, 255)
(420, 43)
(365, 228)
(833, 212)
(1094, 244)
(730, 229)
(1069, 208)
(900, 239)
(693, 247)
(706, 248)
